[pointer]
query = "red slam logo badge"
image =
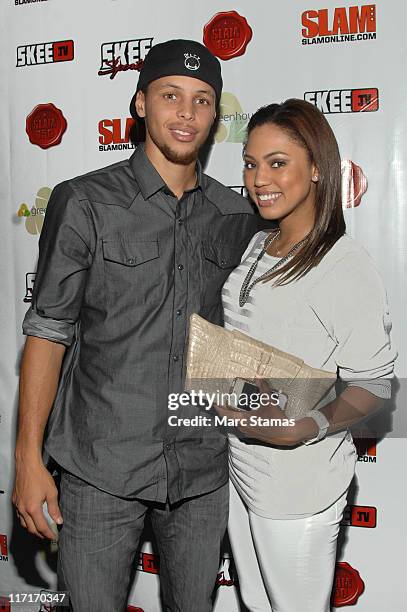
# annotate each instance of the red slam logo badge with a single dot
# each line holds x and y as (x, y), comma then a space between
(354, 184)
(227, 35)
(348, 585)
(45, 125)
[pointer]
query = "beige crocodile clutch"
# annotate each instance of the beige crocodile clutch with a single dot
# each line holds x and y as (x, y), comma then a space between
(217, 356)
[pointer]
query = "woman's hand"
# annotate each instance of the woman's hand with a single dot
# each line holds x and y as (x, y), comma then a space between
(269, 423)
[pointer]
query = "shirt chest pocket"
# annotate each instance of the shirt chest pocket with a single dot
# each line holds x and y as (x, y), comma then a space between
(132, 268)
(219, 259)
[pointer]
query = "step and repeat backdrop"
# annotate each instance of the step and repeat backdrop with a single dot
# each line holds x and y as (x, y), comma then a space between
(67, 73)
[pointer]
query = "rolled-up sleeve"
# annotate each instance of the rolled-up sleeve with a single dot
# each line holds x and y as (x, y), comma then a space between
(365, 355)
(65, 256)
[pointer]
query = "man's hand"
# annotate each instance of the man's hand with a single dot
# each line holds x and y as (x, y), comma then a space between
(33, 486)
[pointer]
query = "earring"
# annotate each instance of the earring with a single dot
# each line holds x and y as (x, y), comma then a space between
(315, 178)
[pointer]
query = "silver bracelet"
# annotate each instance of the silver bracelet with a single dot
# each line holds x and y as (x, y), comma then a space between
(323, 424)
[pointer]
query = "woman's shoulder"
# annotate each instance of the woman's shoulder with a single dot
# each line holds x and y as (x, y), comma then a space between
(348, 253)
(348, 263)
(344, 246)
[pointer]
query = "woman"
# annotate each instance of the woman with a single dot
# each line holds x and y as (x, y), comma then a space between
(310, 290)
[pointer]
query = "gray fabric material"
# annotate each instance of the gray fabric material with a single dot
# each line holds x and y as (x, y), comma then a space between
(100, 537)
(122, 266)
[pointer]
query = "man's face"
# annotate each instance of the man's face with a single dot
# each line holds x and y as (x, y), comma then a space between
(179, 112)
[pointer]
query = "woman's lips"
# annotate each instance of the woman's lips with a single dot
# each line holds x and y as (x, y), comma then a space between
(268, 199)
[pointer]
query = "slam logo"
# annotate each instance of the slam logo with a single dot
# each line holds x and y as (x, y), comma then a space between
(366, 448)
(331, 101)
(3, 548)
(344, 24)
(360, 516)
(123, 55)
(45, 53)
(114, 134)
(21, 2)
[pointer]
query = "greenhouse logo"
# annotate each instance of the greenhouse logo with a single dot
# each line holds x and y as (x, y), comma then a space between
(34, 216)
(232, 120)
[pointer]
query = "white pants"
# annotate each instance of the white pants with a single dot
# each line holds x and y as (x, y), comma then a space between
(284, 565)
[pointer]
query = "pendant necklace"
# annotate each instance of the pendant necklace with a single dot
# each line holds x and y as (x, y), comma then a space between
(247, 285)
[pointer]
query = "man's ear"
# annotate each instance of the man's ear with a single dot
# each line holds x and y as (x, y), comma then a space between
(140, 104)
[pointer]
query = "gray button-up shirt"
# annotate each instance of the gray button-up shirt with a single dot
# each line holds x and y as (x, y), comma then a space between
(122, 266)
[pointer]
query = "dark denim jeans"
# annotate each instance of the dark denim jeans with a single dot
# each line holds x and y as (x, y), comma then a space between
(100, 538)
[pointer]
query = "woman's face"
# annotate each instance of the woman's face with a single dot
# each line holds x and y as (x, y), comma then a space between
(278, 174)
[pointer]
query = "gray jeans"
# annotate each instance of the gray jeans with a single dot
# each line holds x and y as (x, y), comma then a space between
(101, 534)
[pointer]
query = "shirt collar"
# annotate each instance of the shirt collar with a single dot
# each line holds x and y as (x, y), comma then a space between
(147, 177)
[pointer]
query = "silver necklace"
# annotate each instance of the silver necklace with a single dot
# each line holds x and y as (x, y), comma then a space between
(247, 285)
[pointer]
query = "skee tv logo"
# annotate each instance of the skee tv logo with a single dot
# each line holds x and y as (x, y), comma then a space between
(45, 53)
(360, 516)
(330, 101)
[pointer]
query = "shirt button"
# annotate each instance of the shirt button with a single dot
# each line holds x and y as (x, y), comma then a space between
(168, 446)
(131, 261)
(175, 357)
(179, 313)
(222, 262)
(180, 267)
(180, 221)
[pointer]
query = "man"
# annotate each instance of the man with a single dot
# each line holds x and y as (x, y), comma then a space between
(127, 253)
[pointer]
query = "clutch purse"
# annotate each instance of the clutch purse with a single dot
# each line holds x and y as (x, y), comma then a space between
(216, 356)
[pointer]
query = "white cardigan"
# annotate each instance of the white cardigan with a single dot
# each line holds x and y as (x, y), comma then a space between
(335, 318)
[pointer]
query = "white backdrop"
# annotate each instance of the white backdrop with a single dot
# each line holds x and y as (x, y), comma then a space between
(345, 49)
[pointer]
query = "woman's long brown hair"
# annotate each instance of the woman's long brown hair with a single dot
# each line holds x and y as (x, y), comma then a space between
(305, 124)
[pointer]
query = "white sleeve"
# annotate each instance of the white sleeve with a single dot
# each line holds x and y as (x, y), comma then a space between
(361, 323)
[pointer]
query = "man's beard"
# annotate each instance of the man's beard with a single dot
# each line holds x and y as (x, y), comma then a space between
(183, 159)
